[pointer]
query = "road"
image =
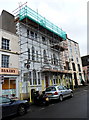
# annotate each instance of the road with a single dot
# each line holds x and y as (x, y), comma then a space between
(76, 107)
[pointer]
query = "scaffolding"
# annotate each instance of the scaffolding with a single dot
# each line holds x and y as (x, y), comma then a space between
(53, 41)
(27, 12)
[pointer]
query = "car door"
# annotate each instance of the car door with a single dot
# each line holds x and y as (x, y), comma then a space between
(8, 107)
(62, 91)
(67, 92)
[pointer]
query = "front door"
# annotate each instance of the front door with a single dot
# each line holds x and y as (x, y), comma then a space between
(46, 81)
(75, 77)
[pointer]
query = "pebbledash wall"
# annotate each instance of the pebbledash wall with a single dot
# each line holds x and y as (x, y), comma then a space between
(9, 52)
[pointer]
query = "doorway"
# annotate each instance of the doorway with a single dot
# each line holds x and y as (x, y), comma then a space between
(46, 81)
(76, 82)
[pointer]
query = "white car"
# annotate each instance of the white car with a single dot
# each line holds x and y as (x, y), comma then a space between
(58, 92)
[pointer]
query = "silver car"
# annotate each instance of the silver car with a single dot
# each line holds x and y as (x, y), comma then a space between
(58, 92)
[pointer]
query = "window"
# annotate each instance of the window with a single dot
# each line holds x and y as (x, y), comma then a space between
(5, 44)
(5, 61)
(27, 33)
(54, 81)
(55, 59)
(45, 56)
(33, 53)
(51, 59)
(38, 77)
(73, 65)
(5, 100)
(77, 60)
(28, 53)
(50, 89)
(43, 39)
(30, 78)
(87, 59)
(60, 88)
(79, 68)
(32, 35)
(34, 77)
(36, 36)
(37, 55)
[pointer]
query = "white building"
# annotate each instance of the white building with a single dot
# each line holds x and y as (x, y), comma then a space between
(38, 56)
(42, 52)
(9, 51)
(75, 62)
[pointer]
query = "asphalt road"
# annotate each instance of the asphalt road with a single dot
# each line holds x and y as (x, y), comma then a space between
(76, 107)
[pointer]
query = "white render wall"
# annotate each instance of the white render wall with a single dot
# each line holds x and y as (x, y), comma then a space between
(25, 43)
(14, 48)
(74, 53)
(36, 45)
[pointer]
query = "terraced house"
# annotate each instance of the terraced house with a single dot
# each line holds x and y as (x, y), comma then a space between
(34, 54)
(9, 58)
(43, 52)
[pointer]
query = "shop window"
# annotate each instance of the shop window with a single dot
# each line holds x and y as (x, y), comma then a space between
(5, 61)
(5, 44)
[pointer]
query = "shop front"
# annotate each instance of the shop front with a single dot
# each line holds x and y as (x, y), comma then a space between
(10, 84)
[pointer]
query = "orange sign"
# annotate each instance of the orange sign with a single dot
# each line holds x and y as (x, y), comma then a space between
(9, 71)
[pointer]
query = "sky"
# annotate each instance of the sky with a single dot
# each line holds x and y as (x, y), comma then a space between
(69, 15)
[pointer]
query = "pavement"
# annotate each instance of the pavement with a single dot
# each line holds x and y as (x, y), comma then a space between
(81, 87)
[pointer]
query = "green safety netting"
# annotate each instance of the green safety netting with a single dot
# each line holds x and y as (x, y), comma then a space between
(27, 12)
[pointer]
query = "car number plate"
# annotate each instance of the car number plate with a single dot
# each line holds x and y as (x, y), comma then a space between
(49, 94)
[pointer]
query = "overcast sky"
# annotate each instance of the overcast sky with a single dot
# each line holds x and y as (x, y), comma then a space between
(70, 15)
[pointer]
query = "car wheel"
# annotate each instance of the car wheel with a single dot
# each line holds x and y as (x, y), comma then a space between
(61, 98)
(71, 95)
(21, 110)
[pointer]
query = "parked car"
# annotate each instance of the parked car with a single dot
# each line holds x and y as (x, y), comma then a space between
(10, 106)
(58, 92)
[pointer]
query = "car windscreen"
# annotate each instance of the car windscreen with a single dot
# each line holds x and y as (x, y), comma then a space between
(50, 89)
